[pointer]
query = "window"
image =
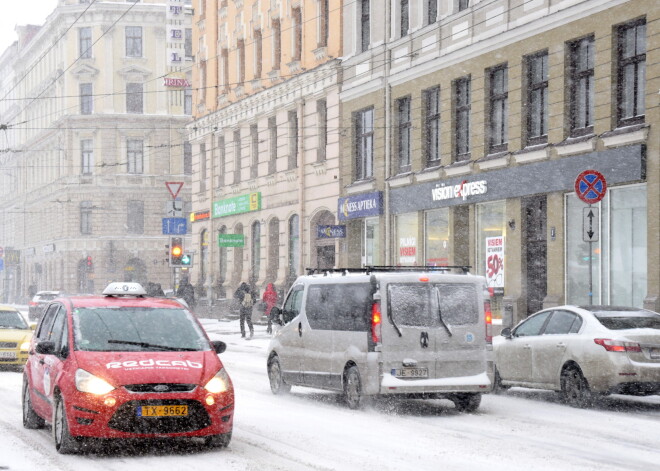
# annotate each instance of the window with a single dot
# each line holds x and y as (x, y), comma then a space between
(240, 58)
(224, 72)
(134, 41)
(187, 158)
(135, 217)
(86, 98)
(85, 217)
(431, 11)
(134, 99)
(537, 98)
(85, 43)
(222, 158)
(256, 251)
(532, 326)
(202, 167)
(631, 52)
(87, 156)
(324, 23)
(272, 137)
(405, 17)
(462, 118)
(581, 86)
(364, 25)
(364, 143)
(201, 95)
(326, 312)
(431, 126)
(293, 139)
(404, 130)
(463, 5)
(135, 155)
(254, 151)
(562, 322)
(498, 115)
(322, 129)
(187, 101)
(296, 18)
(237, 156)
(258, 53)
(187, 45)
(277, 44)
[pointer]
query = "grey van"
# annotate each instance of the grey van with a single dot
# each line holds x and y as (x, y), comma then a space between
(418, 332)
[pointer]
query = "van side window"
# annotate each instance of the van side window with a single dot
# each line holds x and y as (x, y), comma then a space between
(458, 303)
(341, 306)
(292, 304)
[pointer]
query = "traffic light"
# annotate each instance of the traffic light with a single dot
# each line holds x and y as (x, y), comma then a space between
(176, 251)
(89, 264)
(187, 260)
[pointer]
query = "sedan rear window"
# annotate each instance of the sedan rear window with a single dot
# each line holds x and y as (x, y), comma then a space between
(137, 329)
(629, 320)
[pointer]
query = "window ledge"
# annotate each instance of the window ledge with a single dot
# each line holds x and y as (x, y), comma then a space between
(320, 168)
(462, 167)
(637, 134)
(498, 160)
(400, 180)
(428, 174)
(274, 75)
(271, 180)
(253, 184)
(320, 53)
(532, 154)
(236, 188)
(360, 186)
(576, 145)
(291, 175)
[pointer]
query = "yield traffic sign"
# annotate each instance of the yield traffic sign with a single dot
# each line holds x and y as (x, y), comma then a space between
(590, 186)
(174, 188)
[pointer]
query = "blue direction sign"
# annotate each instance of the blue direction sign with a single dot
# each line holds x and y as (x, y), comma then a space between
(175, 226)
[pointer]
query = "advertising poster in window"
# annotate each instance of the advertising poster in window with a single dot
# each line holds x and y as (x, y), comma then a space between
(495, 264)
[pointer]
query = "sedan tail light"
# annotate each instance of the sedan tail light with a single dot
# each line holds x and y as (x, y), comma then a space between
(618, 345)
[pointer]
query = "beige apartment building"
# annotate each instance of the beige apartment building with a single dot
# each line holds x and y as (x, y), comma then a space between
(265, 141)
(94, 107)
(517, 137)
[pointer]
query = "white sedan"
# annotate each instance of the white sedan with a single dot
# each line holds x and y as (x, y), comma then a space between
(582, 352)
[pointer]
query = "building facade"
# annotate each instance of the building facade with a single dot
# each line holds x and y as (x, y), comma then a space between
(265, 141)
(519, 138)
(95, 116)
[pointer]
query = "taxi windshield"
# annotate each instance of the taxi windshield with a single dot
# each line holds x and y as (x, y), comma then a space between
(12, 320)
(129, 329)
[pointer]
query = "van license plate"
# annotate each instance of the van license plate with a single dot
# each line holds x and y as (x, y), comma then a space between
(411, 372)
(163, 411)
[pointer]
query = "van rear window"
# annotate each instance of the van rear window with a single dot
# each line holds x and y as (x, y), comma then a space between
(421, 305)
(338, 306)
(459, 303)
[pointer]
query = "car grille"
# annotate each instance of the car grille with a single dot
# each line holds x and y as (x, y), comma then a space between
(125, 419)
(8, 344)
(160, 387)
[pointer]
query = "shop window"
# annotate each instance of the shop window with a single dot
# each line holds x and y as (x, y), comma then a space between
(371, 249)
(618, 260)
(631, 76)
(407, 239)
(436, 237)
(491, 249)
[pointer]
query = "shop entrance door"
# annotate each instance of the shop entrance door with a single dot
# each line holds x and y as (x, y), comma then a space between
(325, 256)
(535, 251)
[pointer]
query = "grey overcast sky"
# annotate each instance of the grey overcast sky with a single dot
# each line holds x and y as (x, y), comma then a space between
(21, 12)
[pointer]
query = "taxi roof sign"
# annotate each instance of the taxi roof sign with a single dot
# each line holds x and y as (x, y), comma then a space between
(122, 288)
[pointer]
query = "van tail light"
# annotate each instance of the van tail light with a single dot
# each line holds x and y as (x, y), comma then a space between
(376, 320)
(489, 321)
(618, 346)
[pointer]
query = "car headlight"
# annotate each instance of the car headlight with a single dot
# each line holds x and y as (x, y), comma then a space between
(219, 383)
(87, 382)
(25, 346)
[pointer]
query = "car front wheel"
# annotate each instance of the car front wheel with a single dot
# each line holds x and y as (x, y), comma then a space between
(64, 442)
(575, 389)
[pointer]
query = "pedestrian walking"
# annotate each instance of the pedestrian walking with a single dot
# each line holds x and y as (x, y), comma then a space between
(246, 301)
(187, 292)
(270, 298)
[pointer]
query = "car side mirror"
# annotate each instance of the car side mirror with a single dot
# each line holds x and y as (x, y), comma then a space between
(219, 346)
(506, 333)
(45, 347)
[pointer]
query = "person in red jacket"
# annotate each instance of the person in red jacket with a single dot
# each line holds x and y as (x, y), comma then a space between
(270, 298)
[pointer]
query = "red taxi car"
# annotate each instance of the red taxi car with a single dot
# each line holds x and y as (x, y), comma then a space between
(123, 365)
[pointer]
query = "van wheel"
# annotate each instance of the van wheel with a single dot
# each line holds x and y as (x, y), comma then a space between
(575, 389)
(466, 402)
(64, 442)
(277, 384)
(352, 387)
(30, 418)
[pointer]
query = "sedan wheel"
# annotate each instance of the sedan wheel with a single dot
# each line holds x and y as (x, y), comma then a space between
(64, 442)
(575, 389)
(352, 388)
(30, 418)
(277, 384)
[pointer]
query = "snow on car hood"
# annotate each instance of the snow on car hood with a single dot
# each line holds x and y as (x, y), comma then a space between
(119, 368)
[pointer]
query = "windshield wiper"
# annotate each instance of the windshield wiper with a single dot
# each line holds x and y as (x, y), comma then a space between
(437, 297)
(153, 345)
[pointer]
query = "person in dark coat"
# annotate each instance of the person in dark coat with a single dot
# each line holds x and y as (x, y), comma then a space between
(270, 298)
(187, 292)
(245, 301)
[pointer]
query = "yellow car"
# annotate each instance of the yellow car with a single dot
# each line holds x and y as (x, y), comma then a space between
(15, 335)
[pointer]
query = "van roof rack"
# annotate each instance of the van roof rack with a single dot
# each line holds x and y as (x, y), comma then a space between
(465, 269)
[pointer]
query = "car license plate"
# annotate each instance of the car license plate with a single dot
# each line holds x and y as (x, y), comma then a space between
(163, 411)
(411, 372)
(8, 355)
(655, 353)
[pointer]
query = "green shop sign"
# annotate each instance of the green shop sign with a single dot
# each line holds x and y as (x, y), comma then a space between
(237, 205)
(231, 240)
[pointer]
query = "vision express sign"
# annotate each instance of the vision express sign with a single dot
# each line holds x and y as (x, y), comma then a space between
(620, 165)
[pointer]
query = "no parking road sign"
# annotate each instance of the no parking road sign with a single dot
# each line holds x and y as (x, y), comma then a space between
(590, 186)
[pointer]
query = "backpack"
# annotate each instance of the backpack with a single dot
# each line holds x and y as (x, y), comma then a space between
(247, 300)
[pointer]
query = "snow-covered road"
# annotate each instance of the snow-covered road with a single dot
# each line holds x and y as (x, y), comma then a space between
(313, 430)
